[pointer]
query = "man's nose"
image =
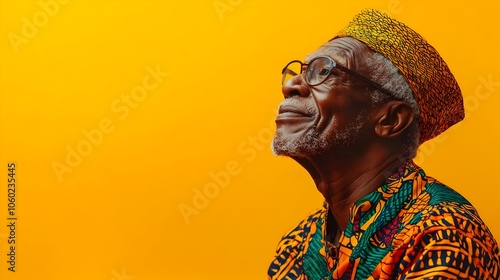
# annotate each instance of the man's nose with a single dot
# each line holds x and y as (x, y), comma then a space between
(296, 86)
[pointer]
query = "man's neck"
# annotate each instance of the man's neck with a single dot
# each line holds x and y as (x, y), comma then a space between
(343, 183)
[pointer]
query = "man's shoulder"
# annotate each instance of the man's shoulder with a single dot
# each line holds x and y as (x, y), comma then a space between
(447, 211)
(439, 199)
(437, 202)
(450, 226)
(440, 193)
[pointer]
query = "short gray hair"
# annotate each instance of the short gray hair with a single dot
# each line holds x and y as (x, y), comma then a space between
(385, 73)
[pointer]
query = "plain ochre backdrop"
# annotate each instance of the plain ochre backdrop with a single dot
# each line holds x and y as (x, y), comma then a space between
(141, 129)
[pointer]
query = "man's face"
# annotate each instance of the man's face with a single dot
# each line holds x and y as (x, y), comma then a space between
(329, 117)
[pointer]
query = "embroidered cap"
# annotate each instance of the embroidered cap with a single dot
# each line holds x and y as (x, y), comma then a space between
(434, 87)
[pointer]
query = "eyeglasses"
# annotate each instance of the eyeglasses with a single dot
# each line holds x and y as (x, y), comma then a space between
(319, 69)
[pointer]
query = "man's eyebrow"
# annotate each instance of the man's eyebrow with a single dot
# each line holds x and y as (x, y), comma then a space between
(308, 57)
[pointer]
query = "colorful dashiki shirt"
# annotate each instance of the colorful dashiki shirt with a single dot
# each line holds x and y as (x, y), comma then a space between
(412, 227)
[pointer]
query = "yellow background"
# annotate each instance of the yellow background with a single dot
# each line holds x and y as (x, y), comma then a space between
(116, 215)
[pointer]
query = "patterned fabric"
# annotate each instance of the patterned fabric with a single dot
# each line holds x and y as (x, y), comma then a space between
(412, 227)
(434, 87)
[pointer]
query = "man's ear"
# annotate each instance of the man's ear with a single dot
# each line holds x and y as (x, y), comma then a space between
(394, 117)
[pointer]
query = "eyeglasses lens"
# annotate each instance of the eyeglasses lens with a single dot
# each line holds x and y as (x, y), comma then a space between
(319, 69)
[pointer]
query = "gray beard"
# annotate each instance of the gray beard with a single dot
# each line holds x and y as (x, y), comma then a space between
(312, 143)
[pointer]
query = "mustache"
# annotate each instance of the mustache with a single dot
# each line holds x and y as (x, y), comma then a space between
(293, 102)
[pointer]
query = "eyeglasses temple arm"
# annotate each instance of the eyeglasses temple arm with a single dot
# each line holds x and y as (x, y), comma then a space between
(365, 79)
(288, 71)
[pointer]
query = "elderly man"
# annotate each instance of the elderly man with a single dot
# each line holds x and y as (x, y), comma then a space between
(354, 114)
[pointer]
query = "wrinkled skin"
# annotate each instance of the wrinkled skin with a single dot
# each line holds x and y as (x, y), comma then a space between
(333, 130)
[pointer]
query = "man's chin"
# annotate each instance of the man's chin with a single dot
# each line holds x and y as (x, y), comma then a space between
(302, 147)
(281, 148)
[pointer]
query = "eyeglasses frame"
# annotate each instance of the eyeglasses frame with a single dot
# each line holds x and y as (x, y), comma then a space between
(335, 65)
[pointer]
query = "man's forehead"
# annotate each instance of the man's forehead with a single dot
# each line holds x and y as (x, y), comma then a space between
(321, 51)
(335, 47)
(341, 49)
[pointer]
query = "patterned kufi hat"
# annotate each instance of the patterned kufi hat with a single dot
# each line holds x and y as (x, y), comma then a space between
(434, 87)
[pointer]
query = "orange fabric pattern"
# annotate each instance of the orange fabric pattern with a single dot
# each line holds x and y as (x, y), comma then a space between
(412, 227)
